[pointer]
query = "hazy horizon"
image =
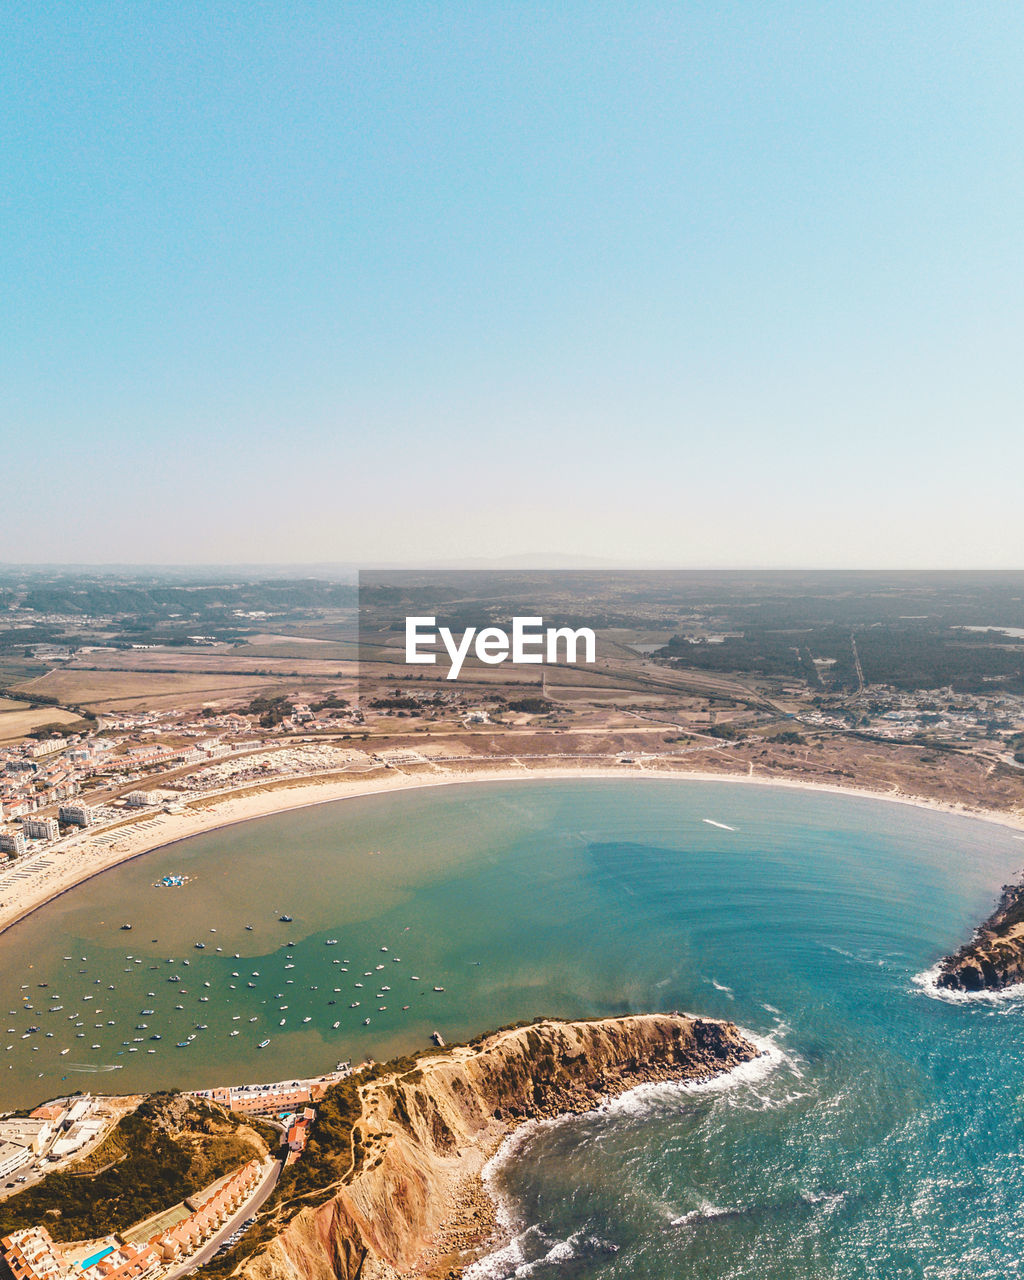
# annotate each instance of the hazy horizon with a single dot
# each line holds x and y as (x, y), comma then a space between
(381, 285)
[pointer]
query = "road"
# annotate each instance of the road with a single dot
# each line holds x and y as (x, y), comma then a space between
(251, 1206)
(856, 663)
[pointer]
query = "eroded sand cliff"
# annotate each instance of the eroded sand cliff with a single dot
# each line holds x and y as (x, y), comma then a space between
(411, 1203)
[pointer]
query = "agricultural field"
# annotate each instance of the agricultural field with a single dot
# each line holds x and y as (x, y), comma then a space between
(108, 691)
(18, 719)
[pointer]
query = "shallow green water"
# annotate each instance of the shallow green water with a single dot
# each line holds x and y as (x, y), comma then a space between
(884, 1139)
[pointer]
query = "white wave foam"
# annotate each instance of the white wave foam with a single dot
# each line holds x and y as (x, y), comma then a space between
(639, 1099)
(500, 1264)
(510, 1259)
(705, 1212)
(718, 986)
(927, 983)
(827, 1200)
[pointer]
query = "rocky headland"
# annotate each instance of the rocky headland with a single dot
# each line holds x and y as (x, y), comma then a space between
(994, 957)
(409, 1200)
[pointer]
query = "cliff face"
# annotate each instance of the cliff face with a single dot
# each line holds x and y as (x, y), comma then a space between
(994, 958)
(425, 1134)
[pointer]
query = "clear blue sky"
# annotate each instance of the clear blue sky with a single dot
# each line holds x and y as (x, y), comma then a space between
(700, 284)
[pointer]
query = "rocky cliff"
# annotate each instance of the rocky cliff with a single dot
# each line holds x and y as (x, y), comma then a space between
(410, 1202)
(994, 958)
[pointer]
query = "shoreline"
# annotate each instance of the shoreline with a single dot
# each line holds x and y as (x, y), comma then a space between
(81, 862)
(414, 1201)
(496, 1229)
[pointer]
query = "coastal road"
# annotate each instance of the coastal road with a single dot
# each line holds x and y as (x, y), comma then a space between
(251, 1206)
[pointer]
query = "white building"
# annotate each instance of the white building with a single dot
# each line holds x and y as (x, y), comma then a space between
(12, 842)
(141, 799)
(77, 815)
(41, 828)
(12, 1159)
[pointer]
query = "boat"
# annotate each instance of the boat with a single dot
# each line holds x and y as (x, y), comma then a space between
(439, 988)
(285, 919)
(331, 942)
(366, 1022)
(200, 946)
(64, 1051)
(249, 928)
(126, 926)
(183, 1044)
(354, 1004)
(263, 1044)
(235, 1032)
(307, 1019)
(437, 1039)
(335, 1025)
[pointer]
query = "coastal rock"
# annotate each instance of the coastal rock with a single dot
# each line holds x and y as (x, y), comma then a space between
(412, 1203)
(994, 958)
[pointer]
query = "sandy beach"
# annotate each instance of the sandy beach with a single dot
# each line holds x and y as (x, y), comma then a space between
(78, 859)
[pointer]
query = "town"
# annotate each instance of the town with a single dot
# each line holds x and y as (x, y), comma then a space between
(176, 1239)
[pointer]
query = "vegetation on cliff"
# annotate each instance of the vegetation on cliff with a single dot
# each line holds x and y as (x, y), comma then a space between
(165, 1150)
(388, 1158)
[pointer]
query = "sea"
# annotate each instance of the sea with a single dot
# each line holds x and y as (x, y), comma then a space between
(881, 1133)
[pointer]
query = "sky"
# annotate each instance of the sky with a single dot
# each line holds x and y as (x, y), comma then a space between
(677, 284)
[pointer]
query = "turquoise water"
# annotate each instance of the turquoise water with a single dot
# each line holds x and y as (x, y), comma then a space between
(883, 1138)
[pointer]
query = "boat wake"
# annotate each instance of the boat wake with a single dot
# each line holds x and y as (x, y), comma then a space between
(720, 825)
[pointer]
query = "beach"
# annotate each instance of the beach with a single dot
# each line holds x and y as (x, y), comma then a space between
(80, 858)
